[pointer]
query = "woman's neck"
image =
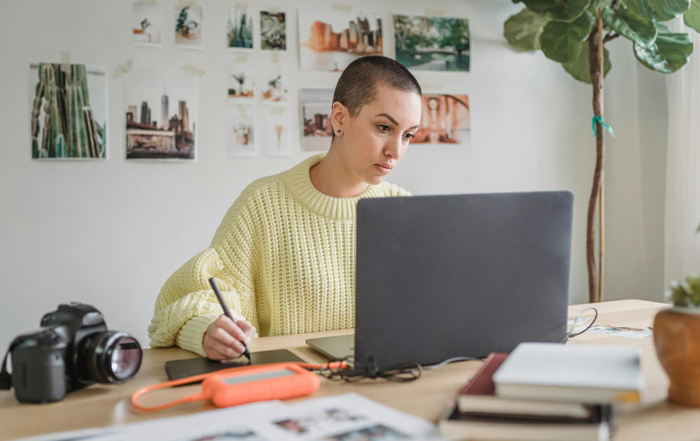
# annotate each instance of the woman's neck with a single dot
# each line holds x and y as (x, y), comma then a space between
(332, 178)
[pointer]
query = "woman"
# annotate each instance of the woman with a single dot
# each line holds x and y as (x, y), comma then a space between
(284, 254)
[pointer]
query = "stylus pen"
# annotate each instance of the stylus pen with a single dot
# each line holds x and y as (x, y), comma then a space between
(227, 311)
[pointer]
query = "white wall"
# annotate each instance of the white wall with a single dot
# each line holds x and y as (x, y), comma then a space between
(110, 233)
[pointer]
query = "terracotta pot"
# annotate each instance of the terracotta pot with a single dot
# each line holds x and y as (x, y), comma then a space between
(677, 341)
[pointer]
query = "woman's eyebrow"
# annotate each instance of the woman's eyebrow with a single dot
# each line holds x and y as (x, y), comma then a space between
(396, 123)
(389, 117)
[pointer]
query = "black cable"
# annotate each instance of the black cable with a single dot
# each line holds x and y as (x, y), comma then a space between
(573, 326)
(361, 371)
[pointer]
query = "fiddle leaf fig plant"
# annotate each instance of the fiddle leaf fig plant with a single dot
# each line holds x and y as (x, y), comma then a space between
(574, 33)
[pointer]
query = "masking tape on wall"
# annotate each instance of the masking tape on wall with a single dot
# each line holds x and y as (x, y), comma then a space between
(341, 7)
(427, 87)
(193, 70)
(277, 111)
(123, 69)
(65, 58)
(434, 12)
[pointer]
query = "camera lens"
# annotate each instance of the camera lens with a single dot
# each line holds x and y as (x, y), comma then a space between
(111, 357)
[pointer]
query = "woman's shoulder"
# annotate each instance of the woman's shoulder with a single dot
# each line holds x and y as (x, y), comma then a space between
(261, 189)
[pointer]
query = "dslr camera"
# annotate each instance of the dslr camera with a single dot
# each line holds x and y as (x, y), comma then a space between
(72, 350)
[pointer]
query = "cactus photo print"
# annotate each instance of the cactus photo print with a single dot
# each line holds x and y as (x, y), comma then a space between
(68, 105)
(239, 29)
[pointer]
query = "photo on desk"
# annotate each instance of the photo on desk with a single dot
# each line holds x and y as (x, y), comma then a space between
(240, 133)
(377, 432)
(230, 435)
(239, 29)
(68, 118)
(147, 24)
(241, 81)
(161, 114)
(274, 80)
(319, 422)
(445, 121)
(332, 39)
(432, 43)
(189, 26)
(316, 126)
(273, 31)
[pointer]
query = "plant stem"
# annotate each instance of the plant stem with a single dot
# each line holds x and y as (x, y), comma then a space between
(595, 43)
(601, 208)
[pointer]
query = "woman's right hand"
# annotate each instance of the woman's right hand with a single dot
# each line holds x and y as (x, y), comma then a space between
(224, 339)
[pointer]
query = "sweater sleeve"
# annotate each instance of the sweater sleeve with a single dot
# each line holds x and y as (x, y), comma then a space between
(186, 305)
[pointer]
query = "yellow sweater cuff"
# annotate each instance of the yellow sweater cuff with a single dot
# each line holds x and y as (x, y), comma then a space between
(191, 334)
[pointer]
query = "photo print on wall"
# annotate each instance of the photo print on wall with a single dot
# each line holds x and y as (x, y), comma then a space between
(432, 43)
(276, 132)
(316, 127)
(241, 81)
(147, 24)
(239, 29)
(445, 120)
(273, 31)
(240, 133)
(332, 39)
(189, 26)
(161, 114)
(68, 111)
(274, 78)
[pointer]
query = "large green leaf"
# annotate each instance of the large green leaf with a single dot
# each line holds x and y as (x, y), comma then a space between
(561, 41)
(642, 7)
(692, 16)
(631, 25)
(579, 68)
(669, 8)
(523, 29)
(562, 10)
(669, 52)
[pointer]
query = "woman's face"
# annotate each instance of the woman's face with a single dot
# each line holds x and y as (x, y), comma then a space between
(374, 140)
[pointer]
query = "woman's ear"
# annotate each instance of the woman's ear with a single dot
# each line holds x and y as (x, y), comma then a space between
(339, 118)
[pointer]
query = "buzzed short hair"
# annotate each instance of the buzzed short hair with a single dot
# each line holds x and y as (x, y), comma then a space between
(359, 81)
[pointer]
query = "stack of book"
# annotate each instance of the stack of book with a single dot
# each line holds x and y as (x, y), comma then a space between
(546, 392)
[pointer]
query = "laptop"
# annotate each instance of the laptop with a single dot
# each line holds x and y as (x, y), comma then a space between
(457, 275)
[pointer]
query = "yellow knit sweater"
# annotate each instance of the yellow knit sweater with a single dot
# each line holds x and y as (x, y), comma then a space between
(284, 257)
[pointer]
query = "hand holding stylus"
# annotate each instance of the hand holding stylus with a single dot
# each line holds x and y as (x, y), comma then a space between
(226, 338)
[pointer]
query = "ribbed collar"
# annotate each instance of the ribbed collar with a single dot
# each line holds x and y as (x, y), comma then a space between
(303, 189)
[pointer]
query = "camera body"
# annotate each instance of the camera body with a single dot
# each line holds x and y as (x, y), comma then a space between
(72, 350)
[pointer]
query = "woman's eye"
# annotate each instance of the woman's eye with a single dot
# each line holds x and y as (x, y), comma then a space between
(384, 128)
(409, 136)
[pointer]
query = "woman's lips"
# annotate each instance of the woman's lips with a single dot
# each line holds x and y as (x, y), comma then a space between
(383, 168)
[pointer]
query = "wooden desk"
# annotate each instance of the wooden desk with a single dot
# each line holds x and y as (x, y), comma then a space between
(101, 405)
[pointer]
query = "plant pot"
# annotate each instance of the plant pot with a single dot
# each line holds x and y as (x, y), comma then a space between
(677, 342)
